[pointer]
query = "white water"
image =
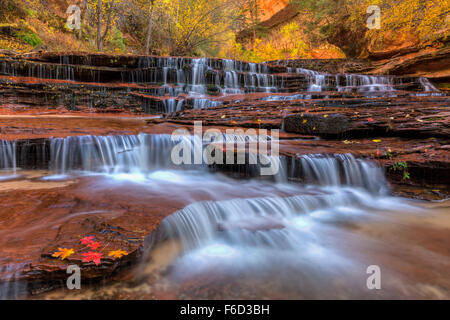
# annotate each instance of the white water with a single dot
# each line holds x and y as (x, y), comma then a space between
(427, 85)
(254, 227)
(8, 162)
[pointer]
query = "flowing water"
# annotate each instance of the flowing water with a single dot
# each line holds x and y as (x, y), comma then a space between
(172, 84)
(309, 231)
(254, 238)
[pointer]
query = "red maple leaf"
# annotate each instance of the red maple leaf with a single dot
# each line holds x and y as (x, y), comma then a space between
(94, 245)
(378, 153)
(92, 256)
(370, 120)
(87, 240)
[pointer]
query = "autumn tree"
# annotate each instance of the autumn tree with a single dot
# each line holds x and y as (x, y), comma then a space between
(339, 22)
(253, 10)
(105, 17)
(426, 20)
(193, 25)
(150, 26)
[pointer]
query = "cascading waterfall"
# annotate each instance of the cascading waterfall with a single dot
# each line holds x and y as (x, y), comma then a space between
(261, 222)
(12, 289)
(427, 85)
(287, 98)
(341, 170)
(198, 82)
(8, 155)
(346, 83)
(364, 83)
(114, 154)
(316, 79)
(274, 222)
(39, 70)
(146, 152)
(231, 81)
(172, 105)
(201, 103)
(199, 79)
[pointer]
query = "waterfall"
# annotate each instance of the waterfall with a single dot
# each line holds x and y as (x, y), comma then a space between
(286, 98)
(269, 222)
(198, 82)
(146, 152)
(8, 155)
(172, 105)
(365, 83)
(351, 82)
(340, 170)
(427, 85)
(12, 288)
(201, 103)
(112, 154)
(316, 79)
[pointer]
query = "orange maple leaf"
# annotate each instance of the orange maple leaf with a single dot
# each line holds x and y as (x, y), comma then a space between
(63, 253)
(94, 245)
(92, 256)
(87, 240)
(117, 253)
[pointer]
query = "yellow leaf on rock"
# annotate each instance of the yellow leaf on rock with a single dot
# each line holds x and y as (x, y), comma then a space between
(117, 253)
(376, 140)
(63, 253)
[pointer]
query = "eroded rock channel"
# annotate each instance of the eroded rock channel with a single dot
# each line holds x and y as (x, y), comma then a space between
(86, 151)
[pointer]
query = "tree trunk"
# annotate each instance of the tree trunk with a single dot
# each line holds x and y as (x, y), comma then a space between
(149, 32)
(99, 25)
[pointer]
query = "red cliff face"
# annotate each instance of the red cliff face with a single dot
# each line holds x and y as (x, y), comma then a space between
(270, 7)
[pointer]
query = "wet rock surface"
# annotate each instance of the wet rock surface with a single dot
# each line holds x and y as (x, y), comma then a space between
(400, 123)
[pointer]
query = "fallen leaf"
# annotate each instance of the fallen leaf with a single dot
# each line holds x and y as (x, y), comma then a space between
(63, 253)
(92, 256)
(94, 245)
(87, 240)
(305, 121)
(325, 115)
(117, 253)
(376, 140)
(370, 120)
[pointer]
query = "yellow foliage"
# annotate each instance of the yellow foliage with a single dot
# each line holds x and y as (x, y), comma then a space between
(428, 20)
